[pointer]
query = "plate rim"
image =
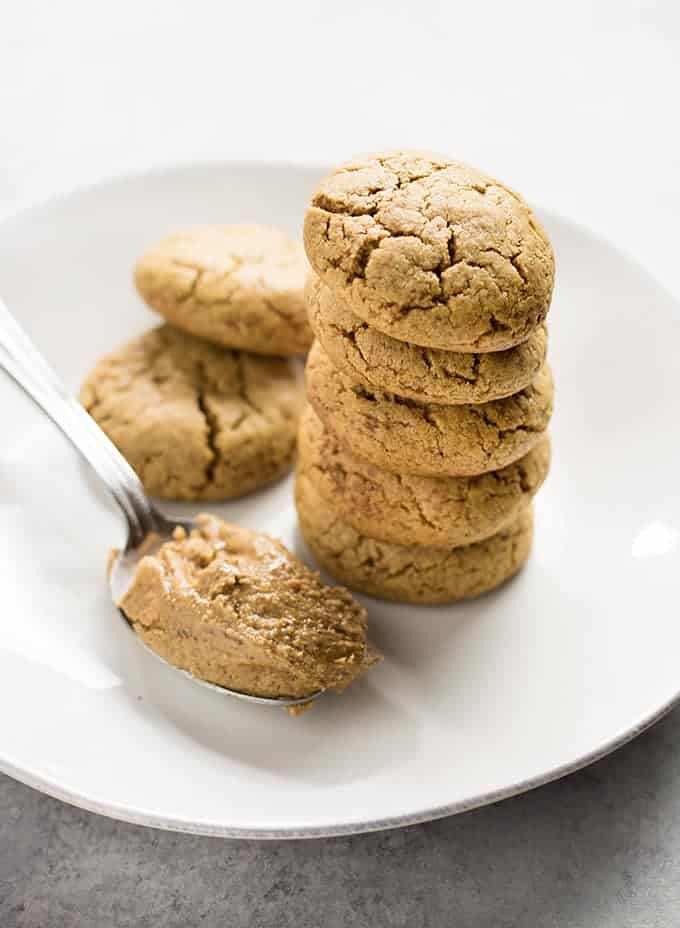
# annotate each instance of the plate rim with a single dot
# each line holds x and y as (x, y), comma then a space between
(132, 816)
(137, 816)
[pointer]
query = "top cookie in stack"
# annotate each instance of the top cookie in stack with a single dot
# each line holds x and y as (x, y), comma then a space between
(430, 251)
(431, 288)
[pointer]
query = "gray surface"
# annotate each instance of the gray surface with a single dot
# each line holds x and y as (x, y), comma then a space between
(600, 849)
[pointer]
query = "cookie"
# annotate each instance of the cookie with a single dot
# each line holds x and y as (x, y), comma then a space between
(239, 286)
(405, 572)
(408, 437)
(425, 374)
(439, 512)
(195, 421)
(431, 251)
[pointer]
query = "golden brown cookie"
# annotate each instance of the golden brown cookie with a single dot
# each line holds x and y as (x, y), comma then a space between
(431, 251)
(409, 573)
(239, 286)
(426, 374)
(236, 608)
(194, 420)
(408, 437)
(436, 511)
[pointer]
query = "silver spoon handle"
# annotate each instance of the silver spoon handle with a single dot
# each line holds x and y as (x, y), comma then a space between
(23, 362)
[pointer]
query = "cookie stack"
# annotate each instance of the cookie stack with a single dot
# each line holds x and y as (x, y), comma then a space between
(206, 406)
(425, 438)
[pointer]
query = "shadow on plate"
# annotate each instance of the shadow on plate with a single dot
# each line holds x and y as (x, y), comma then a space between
(343, 738)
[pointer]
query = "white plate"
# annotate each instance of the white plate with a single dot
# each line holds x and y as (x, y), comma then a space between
(473, 703)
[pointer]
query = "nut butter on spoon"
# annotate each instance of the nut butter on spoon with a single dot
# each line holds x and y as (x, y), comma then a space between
(230, 608)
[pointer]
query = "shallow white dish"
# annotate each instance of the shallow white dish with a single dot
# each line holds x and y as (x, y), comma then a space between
(474, 702)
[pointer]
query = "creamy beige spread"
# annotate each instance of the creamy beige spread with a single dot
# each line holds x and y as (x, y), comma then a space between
(236, 608)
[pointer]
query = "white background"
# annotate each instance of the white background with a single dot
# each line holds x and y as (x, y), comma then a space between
(574, 103)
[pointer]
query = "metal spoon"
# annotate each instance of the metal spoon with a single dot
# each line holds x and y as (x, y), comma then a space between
(23, 362)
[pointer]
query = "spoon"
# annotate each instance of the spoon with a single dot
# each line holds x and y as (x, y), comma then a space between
(146, 526)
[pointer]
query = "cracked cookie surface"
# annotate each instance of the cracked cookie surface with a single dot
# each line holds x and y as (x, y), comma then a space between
(236, 608)
(196, 421)
(409, 573)
(240, 286)
(439, 512)
(426, 374)
(405, 436)
(431, 251)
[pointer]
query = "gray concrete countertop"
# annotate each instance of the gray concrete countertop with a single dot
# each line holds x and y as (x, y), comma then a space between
(600, 849)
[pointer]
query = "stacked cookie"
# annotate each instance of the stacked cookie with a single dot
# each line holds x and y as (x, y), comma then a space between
(429, 391)
(206, 406)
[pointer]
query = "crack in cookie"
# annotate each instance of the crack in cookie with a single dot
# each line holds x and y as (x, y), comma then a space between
(194, 420)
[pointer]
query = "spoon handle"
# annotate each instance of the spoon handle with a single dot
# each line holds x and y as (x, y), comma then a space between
(23, 362)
